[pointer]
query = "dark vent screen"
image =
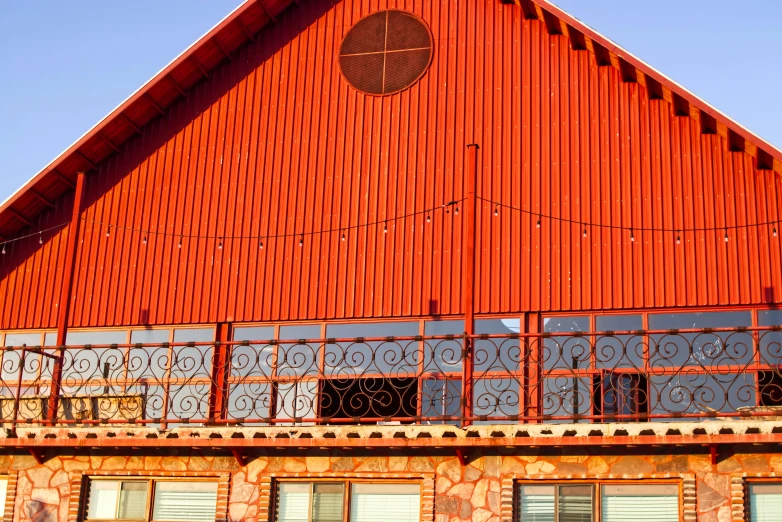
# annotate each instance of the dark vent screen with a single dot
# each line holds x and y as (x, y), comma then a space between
(386, 52)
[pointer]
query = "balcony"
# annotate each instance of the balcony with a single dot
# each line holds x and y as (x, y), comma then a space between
(576, 377)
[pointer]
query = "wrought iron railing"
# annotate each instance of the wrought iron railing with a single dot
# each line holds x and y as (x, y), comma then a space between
(525, 378)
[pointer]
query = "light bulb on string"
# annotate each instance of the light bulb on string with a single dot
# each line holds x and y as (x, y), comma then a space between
(3, 248)
(301, 240)
(385, 229)
(632, 236)
(585, 232)
(260, 244)
(678, 238)
(774, 232)
(220, 245)
(537, 224)
(343, 236)
(496, 211)
(428, 218)
(144, 240)
(726, 235)
(180, 242)
(456, 211)
(40, 238)
(108, 231)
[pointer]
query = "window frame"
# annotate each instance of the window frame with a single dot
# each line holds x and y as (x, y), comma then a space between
(596, 485)
(348, 483)
(745, 492)
(151, 482)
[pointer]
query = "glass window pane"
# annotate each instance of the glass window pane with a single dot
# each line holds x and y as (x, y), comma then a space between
(327, 500)
(133, 501)
(575, 504)
(771, 342)
(640, 503)
(566, 352)
(387, 358)
(537, 504)
(622, 351)
(83, 369)
(255, 359)
(149, 362)
(443, 356)
(497, 355)
(293, 502)
(441, 398)
(192, 367)
(12, 358)
(102, 499)
(185, 501)
(385, 502)
(765, 502)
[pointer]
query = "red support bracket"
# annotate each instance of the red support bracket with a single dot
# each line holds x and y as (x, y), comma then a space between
(462, 455)
(713, 453)
(38, 455)
(243, 460)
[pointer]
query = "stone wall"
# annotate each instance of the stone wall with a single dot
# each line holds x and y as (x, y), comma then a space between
(480, 491)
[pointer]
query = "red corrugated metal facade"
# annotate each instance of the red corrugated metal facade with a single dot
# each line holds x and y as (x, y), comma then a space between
(276, 142)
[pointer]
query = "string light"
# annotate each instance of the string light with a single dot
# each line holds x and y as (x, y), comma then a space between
(496, 211)
(108, 231)
(145, 239)
(40, 238)
(774, 233)
(585, 232)
(537, 225)
(3, 248)
(385, 229)
(428, 218)
(301, 240)
(220, 245)
(726, 235)
(678, 238)
(180, 242)
(343, 236)
(632, 236)
(260, 245)
(456, 211)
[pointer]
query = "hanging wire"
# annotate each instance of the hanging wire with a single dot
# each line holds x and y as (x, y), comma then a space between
(620, 227)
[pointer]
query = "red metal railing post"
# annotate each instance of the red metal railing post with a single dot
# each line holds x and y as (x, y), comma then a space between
(19, 388)
(218, 396)
(468, 279)
(65, 297)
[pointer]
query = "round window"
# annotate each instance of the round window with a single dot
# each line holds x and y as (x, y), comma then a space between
(386, 52)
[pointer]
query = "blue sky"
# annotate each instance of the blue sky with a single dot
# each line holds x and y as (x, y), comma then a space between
(67, 64)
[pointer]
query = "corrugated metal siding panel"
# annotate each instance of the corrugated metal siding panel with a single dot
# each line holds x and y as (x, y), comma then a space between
(276, 143)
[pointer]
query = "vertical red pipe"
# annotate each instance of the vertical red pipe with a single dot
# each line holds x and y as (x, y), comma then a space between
(65, 295)
(220, 360)
(468, 278)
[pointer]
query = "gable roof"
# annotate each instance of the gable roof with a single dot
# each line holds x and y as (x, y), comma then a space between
(241, 26)
(130, 117)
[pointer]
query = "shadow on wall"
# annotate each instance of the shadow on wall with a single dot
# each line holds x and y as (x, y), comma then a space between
(40, 512)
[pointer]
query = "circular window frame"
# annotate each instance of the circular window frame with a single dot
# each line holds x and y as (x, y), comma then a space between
(424, 70)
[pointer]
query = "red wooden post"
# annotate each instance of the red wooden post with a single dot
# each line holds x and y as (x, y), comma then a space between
(468, 279)
(218, 396)
(65, 296)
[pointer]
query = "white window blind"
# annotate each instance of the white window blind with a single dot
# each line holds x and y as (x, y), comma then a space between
(185, 501)
(639, 502)
(537, 504)
(116, 499)
(765, 503)
(293, 502)
(3, 492)
(327, 502)
(575, 503)
(385, 502)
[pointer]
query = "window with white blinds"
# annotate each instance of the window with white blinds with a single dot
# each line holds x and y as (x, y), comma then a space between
(617, 502)
(765, 502)
(640, 502)
(348, 502)
(174, 501)
(3, 492)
